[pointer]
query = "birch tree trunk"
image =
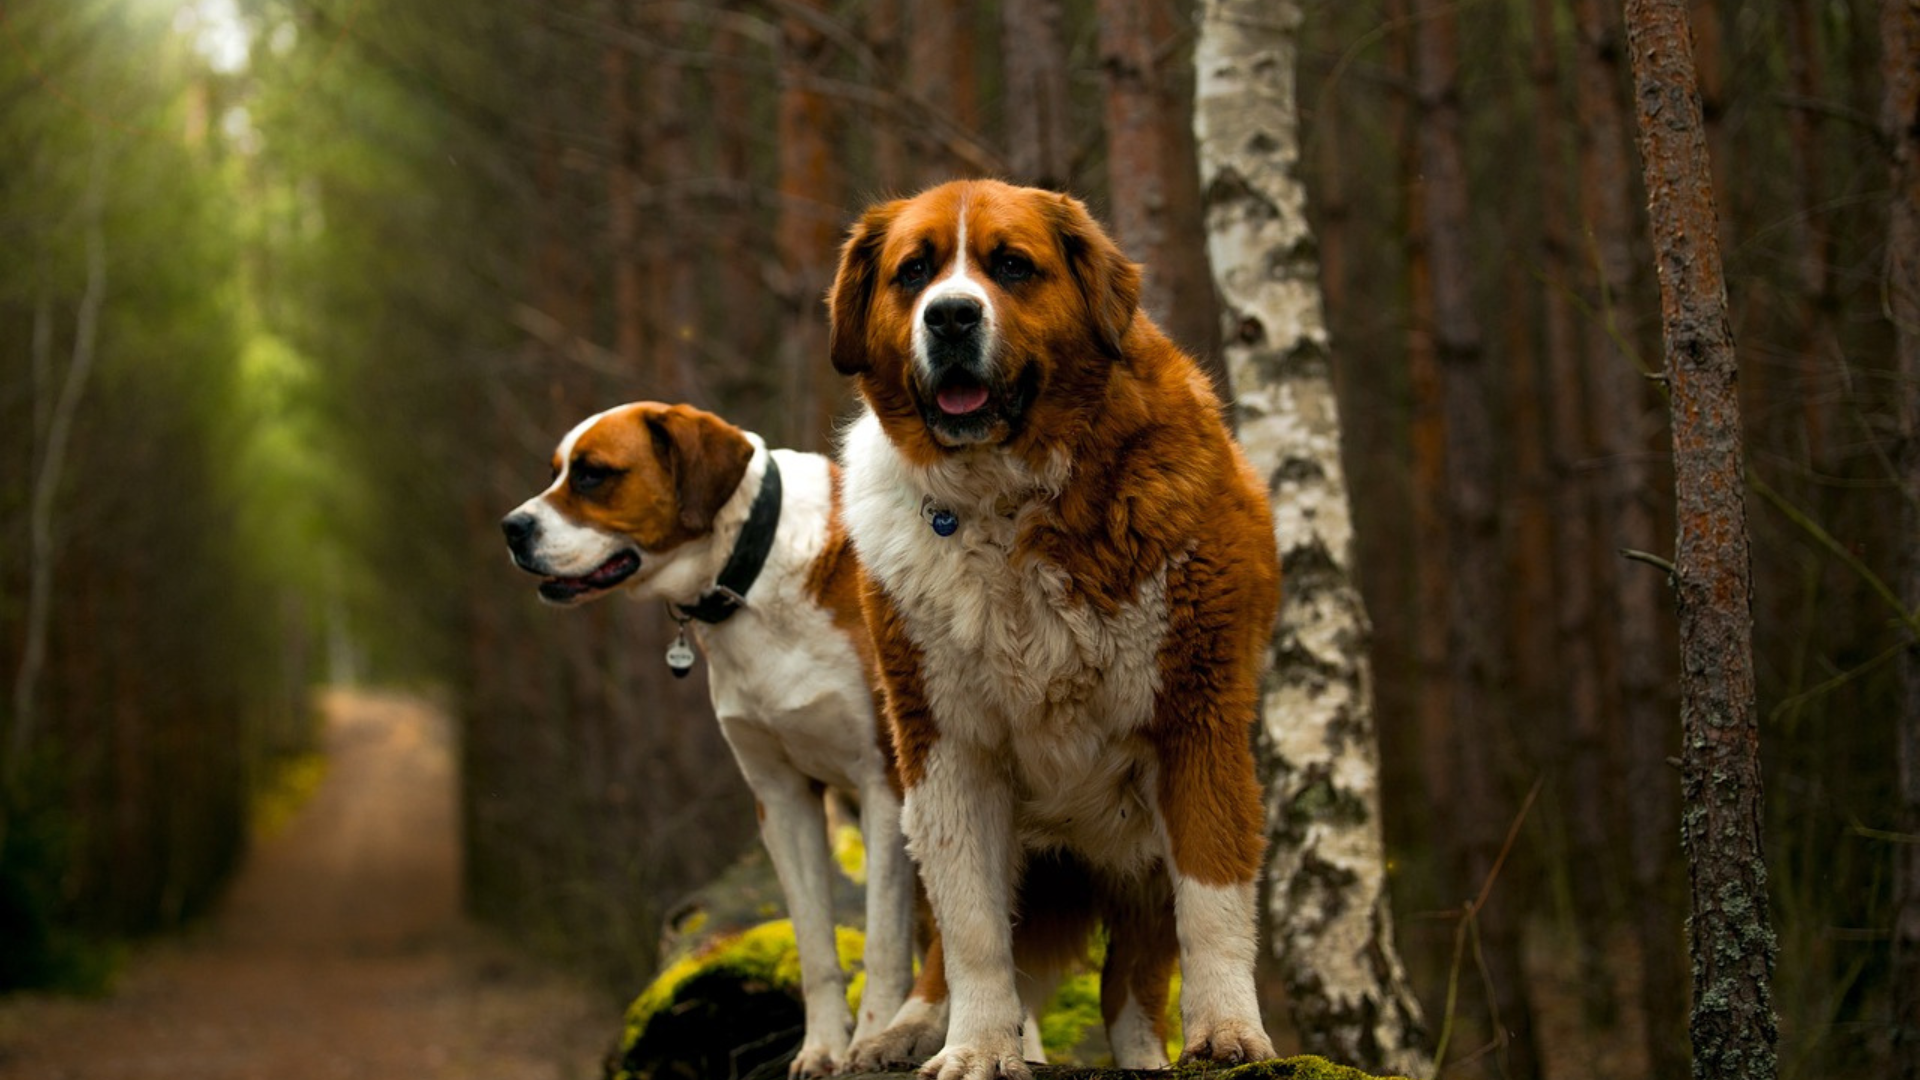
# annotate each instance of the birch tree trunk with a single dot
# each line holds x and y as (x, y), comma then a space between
(1329, 920)
(1731, 937)
(52, 460)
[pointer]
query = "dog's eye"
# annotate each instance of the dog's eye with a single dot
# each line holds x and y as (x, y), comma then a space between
(586, 475)
(914, 272)
(1009, 268)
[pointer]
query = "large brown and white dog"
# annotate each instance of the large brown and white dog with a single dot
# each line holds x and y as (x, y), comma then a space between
(672, 503)
(1075, 583)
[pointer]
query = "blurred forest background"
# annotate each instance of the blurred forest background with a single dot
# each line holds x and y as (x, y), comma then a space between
(296, 295)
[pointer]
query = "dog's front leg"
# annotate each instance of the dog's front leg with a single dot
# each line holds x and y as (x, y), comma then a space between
(1209, 805)
(958, 821)
(889, 951)
(793, 826)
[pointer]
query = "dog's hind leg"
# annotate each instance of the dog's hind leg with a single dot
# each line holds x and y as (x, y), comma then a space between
(890, 904)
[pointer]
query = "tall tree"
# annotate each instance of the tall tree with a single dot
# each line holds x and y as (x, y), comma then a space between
(51, 459)
(809, 224)
(1732, 943)
(1476, 664)
(1581, 726)
(1329, 917)
(1153, 202)
(1623, 418)
(1038, 113)
(940, 78)
(1900, 120)
(625, 163)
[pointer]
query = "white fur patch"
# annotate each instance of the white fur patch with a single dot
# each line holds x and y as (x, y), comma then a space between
(957, 281)
(1013, 664)
(1135, 1043)
(1217, 954)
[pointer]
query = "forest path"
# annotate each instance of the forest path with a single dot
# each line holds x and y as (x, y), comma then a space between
(340, 951)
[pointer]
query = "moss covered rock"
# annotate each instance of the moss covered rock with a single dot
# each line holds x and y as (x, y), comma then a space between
(731, 1009)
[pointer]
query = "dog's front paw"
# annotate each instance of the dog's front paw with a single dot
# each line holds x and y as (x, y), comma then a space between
(1229, 1042)
(907, 1041)
(978, 1063)
(813, 1061)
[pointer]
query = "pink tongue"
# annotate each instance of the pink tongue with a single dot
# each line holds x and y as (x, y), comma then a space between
(960, 400)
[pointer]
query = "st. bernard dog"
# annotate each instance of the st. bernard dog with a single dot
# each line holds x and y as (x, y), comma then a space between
(666, 502)
(1074, 586)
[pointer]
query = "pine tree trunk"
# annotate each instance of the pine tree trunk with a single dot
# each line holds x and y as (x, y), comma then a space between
(1731, 939)
(939, 75)
(1154, 204)
(671, 371)
(1900, 119)
(1329, 920)
(1581, 734)
(1622, 418)
(1039, 107)
(623, 184)
(807, 232)
(1476, 672)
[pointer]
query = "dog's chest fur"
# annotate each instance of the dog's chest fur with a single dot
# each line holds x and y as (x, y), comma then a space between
(1011, 659)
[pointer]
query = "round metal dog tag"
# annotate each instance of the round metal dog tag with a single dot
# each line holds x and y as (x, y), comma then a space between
(680, 655)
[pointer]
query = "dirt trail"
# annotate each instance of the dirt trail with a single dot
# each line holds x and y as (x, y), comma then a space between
(339, 953)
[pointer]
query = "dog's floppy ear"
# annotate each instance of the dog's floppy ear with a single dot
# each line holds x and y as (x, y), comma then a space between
(851, 297)
(705, 455)
(1109, 281)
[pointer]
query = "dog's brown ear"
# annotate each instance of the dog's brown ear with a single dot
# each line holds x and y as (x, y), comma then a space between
(1109, 281)
(705, 455)
(851, 298)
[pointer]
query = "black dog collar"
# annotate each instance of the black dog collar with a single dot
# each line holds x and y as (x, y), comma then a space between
(729, 592)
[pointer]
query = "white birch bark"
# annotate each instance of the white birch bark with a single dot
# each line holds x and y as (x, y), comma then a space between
(1328, 919)
(51, 462)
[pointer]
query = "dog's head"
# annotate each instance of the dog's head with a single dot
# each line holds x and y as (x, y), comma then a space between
(633, 488)
(970, 310)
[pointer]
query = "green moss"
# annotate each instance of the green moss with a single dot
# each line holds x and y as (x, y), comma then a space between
(764, 960)
(1302, 1067)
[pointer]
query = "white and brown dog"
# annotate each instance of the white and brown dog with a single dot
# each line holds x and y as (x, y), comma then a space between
(668, 502)
(1075, 583)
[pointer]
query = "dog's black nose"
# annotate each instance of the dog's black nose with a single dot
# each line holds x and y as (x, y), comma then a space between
(952, 317)
(519, 527)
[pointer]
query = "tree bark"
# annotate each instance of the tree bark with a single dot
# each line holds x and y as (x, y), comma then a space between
(1153, 198)
(1581, 730)
(1329, 919)
(1731, 940)
(1623, 419)
(807, 232)
(1039, 139)
(623, 192)
(940, 57)
(671, 373)
(1476, 672)
(1900, 119)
